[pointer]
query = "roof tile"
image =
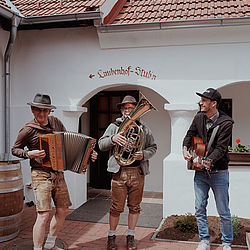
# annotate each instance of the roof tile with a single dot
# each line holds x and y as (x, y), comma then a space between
(140, 10)
(55, 7)
(166, 10)
(4, 4)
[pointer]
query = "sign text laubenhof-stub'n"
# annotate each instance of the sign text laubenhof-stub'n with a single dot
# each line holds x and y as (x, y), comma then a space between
(124, 71)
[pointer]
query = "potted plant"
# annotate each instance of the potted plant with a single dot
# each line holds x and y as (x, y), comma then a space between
(239, 152)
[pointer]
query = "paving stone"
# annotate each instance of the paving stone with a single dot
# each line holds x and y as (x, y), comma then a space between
(27, 244)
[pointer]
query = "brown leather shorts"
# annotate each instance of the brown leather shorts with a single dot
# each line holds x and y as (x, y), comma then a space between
(47, 185)
(128, 184)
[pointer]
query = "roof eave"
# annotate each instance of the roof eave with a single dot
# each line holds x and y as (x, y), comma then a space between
(89, 15)
(196, 23)
(6, 13)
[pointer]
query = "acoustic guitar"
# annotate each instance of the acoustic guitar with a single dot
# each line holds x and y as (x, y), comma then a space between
(198, 152)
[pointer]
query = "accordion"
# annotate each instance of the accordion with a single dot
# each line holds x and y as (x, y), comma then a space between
(67, 151)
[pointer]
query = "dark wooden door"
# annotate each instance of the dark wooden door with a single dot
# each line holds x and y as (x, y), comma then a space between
(103, 111)
(226, 106)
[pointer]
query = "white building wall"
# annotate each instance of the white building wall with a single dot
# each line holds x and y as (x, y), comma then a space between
(155, 35)
(59, 62)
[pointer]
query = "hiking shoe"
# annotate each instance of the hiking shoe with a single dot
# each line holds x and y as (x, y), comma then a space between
(111, 243)
(131, 242)
(203, 245)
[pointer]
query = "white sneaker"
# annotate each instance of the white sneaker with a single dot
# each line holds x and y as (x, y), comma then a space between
(227, 247)
(203, 245)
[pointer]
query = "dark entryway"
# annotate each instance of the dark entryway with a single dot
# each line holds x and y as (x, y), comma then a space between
(103, 111)
(226, 106)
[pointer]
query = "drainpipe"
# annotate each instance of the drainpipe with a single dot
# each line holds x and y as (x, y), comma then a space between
(15, 22)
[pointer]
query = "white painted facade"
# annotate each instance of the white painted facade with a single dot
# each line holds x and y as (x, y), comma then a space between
(180, 61)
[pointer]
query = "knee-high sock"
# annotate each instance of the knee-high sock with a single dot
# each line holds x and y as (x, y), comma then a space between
(50, 242)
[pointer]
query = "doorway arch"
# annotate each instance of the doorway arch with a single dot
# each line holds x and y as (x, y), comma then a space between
(159, 123)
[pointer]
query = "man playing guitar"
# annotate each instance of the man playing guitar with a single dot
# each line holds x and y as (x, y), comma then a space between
(211, 168)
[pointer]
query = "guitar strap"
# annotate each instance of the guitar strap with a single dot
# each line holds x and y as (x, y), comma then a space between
(212, 139)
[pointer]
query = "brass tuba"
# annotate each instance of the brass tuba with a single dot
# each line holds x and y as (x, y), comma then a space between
(124, 155)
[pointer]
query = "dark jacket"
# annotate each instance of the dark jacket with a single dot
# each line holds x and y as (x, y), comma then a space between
(218, 152)
(29, 137)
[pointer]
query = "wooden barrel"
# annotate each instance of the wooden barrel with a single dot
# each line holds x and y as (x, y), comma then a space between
(11, 199)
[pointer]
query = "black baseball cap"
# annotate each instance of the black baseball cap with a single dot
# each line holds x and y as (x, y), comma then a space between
(211, 94)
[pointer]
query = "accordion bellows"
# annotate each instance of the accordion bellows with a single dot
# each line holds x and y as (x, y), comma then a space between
(67, 151)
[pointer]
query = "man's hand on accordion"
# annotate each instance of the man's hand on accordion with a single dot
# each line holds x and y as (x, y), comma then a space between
(40, 154)
(94, 156)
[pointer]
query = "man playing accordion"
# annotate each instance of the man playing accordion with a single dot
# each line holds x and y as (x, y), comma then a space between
(47, 183)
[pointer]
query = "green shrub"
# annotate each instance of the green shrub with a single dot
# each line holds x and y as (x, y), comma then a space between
(186, 224)
(236, 225)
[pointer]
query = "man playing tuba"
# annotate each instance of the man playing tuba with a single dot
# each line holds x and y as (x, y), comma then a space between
(127, 180)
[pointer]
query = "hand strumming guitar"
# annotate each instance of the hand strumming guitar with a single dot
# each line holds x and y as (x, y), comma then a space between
(200, 163)
(186, 154)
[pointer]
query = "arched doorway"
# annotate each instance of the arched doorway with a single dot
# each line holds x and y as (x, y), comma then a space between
(102, 110)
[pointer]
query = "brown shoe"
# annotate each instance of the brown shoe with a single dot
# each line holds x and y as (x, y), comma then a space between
(131, 242)
(111, 243)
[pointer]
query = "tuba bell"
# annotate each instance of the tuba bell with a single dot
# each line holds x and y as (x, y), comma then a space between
(124, 155)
